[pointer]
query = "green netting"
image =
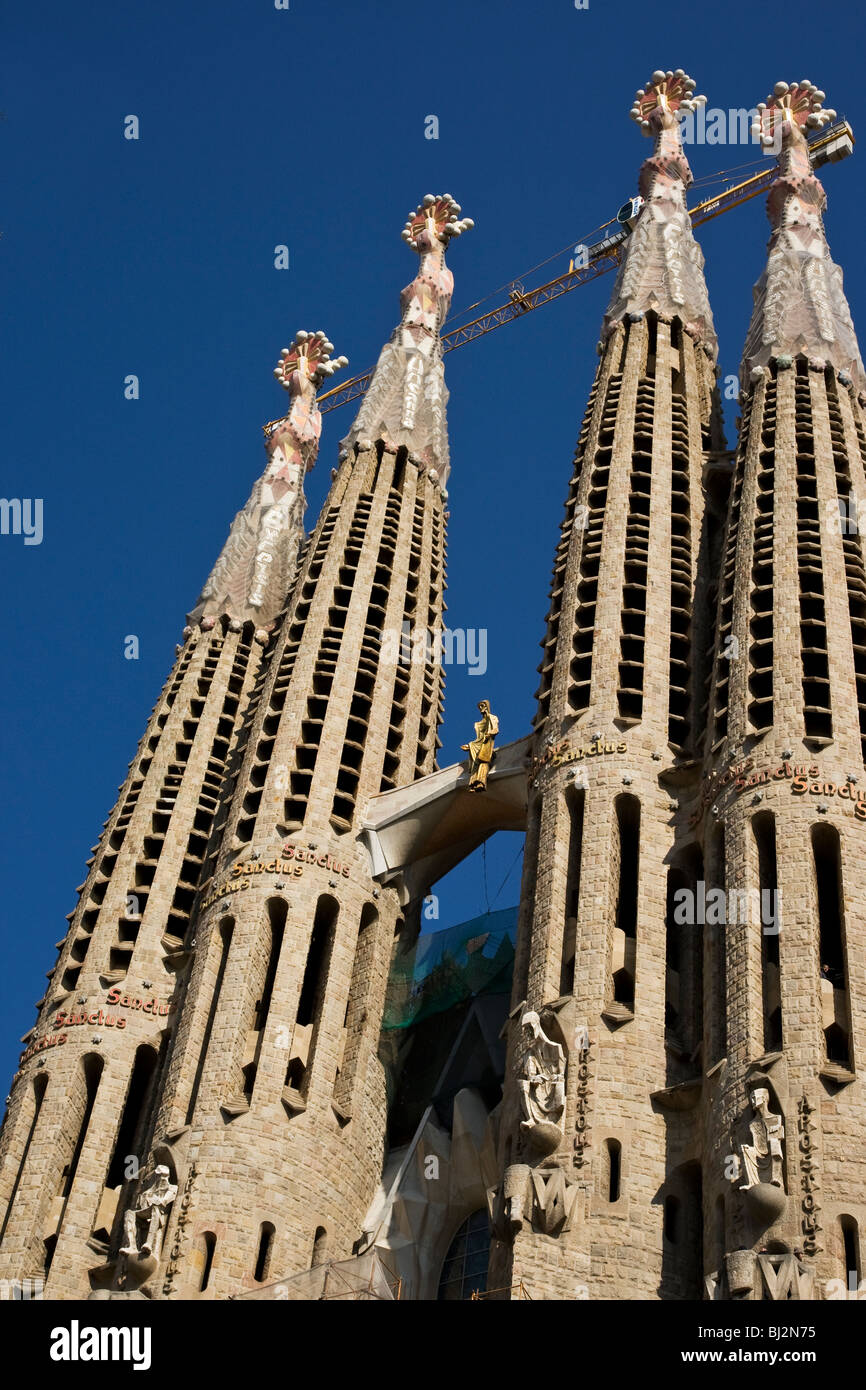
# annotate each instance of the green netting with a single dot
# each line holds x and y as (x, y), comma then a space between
(445, 967)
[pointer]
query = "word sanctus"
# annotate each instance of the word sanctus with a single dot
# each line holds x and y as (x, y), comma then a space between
(40, 1044)
(309, 856)
(149, 1006)
(96, 1019)
(560, 753)
(845, 791)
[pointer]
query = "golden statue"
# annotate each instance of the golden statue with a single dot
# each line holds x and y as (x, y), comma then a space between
(480, 750)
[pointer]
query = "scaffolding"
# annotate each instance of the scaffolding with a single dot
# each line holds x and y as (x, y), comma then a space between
(363, 1278)
(515, 1291)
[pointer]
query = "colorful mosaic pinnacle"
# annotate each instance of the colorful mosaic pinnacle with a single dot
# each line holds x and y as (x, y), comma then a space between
(254, 570)
(406, 399)
(791, 104)
(309, 358)
(667, 93)
(800, 306)
(434, 219)
(662, 269)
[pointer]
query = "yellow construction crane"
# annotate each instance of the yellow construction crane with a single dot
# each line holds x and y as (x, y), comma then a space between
(834, 142)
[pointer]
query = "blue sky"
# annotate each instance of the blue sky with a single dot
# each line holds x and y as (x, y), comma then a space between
(306, 127)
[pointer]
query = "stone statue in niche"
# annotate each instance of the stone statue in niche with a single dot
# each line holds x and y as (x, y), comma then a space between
(760, 1163)
(542, 1085)
(762, 1159)
(150, 1216)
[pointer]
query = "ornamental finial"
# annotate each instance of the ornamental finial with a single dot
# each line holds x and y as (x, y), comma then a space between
(664, 95)
(405, 401)
(434, 220)
(800, 309)
(790, 104)
(255, 568)
(308, 359)
(662, 265)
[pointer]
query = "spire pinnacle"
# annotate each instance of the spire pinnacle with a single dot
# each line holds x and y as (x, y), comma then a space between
(800, 305)
(252, 576)
(406, 398)
(663, 265)
(656, 105)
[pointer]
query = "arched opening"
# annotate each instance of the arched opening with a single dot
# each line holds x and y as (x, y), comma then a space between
(128, 1153)
(715, 954)
(626, 864)
(575, 798)
(40, 1086)
(203, 1257)
(277, 909)
(613, 1165)
(222, 944)
(764, 832)
(464, 1269)
(357, 1006)
(851, 1253)
(312, 997)
(83, 1101)
(684, 966)
(320, 1247)
(265, 1250)
(831, 944)
(143, 1070)
(683, 1234)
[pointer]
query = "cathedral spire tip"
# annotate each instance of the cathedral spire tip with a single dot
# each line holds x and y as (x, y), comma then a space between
(252, 575)
(308, 359)
(790, 106)
(665, 94)
(800, 306)
(405, 401)
(436, 218)
(662, 267)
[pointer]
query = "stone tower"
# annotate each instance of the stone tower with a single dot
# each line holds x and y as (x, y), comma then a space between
(604, 1044)
(88, 1079)
(783, 808)
(271, 1120)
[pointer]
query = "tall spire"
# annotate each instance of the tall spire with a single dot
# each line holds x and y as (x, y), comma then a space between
(252, 576)
(663, 267)
(406, 399)
(800, 305)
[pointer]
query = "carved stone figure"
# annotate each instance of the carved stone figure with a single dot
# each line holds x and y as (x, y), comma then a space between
(480, 750)
(555, 1198)
(156, 1198)
(510, 1204)
(542, 1084)
(762, 1159)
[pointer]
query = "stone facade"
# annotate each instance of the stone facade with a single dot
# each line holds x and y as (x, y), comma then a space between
(259, 1134)
(710, 1048)
(681, 1114)
(89, 1078)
